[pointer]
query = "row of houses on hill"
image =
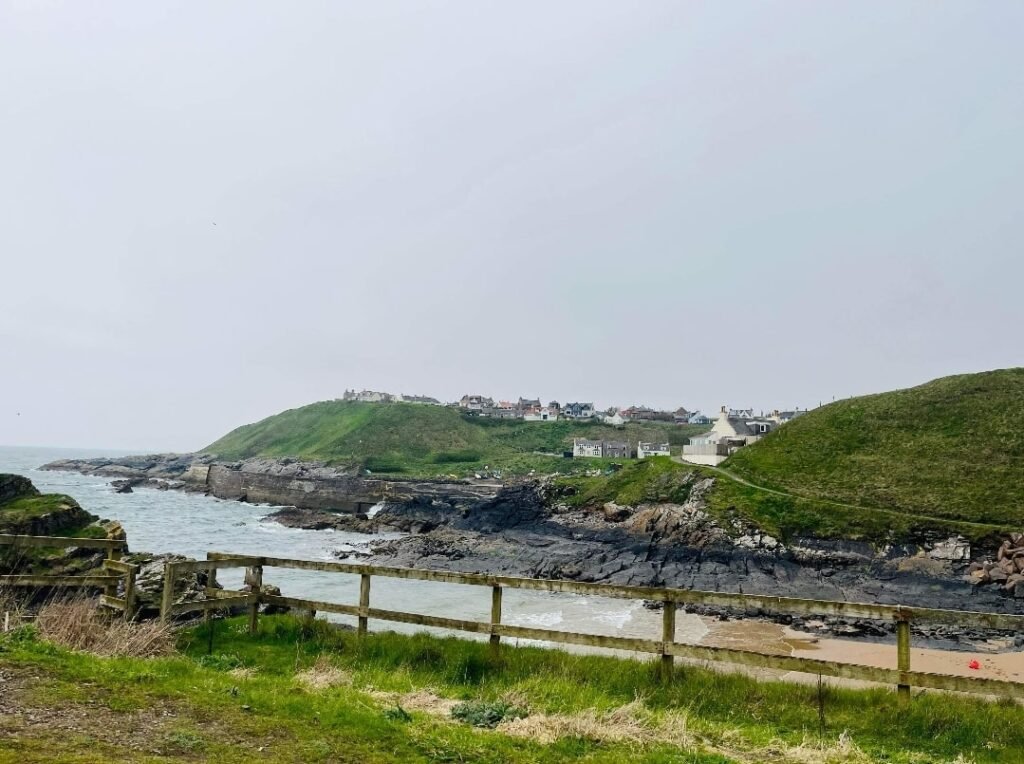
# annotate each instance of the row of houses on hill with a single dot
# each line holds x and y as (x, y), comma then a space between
(373, 396)
(582, 448)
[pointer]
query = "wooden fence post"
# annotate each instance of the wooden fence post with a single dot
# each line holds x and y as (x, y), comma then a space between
(211, 575)
(167, 601)
(495, 619)
(668, 636)
(254, 577)
(364, 603)
(903, 652)
(129, 592)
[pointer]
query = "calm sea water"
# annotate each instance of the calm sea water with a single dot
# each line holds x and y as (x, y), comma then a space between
(192, 525)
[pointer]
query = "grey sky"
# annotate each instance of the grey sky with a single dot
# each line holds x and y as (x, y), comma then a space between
(213, 211)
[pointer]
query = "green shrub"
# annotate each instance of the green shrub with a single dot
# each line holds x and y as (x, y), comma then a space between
(481, 713)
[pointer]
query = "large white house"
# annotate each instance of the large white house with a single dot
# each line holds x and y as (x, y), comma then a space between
(729, 434)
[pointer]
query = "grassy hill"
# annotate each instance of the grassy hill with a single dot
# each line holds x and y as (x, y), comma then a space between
(952, 448)
(398, 438)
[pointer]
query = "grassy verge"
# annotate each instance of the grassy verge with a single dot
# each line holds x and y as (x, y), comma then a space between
(302, 691)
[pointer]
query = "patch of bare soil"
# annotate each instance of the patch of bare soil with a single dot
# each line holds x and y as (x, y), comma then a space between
(137, 732)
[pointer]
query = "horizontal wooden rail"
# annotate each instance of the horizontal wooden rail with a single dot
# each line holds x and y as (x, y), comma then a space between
(666, 647)
(8, 539)
(98, 581)
(217, 603)
(694, 652)
(752, 604)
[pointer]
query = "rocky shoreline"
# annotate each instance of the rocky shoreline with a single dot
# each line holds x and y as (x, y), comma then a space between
(306, 485)
(532, 530)
(528, 531)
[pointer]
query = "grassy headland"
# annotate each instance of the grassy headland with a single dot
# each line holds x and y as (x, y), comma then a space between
(660, 480)
(409, 439)
(305, 692)
(952, 448)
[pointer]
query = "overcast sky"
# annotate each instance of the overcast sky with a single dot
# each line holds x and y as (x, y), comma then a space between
(210, 212)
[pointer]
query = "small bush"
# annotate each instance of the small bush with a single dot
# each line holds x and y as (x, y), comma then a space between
(397, 714)
(220, 662)
(184, 741)
(481, 713)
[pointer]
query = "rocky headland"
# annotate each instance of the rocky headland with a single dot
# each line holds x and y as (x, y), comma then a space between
(291, 482)
(529, 530)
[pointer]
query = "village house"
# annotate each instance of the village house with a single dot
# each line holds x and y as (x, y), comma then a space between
(651, 449)
(475, 404)
(368, 396)
(729, 434)
(699, 418)
(424, 400)
(645, 414)
(501, 410)
(541, 414)
(583, 448)
(681, 416)
(578, 411)
(616, 450)
(782, 417)
(614, 418)
(607, 449)
(527, 404)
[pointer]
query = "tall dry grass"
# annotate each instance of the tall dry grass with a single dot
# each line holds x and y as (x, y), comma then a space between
(78, 623)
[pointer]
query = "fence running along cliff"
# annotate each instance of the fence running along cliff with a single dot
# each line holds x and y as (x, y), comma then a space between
(667, 647)
(116, 573)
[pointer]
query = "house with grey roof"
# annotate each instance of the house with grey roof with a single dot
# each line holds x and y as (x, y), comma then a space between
(644, 450)
(607, 449)
(729, 434)
(578, 411)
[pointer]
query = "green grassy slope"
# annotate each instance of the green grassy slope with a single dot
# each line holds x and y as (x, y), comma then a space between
(660, 479)
(191, 706)
(423, 440)
(952, 448)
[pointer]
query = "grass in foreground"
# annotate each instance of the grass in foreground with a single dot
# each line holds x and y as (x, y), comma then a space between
(304, 691)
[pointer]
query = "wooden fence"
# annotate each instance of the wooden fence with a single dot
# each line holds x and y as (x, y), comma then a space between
(667, 647)
(115, 571)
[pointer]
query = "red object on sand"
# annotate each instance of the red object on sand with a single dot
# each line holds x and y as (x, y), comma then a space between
(974, 665)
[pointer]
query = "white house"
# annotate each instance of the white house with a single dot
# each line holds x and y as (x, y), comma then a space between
(542, 414)
(729, 434)
(583, 448)
(651, 449)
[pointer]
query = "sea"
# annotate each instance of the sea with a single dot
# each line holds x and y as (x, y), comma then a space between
(193, 524)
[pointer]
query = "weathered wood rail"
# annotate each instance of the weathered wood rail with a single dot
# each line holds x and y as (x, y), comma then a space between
(110, 581)
(667, 647)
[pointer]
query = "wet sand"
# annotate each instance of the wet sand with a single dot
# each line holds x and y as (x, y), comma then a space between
(775, 639)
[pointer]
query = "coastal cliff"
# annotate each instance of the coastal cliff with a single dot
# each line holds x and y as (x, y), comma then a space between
(290, 482)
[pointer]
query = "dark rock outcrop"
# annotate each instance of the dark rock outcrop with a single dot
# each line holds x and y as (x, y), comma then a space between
(521, 532)
(290, 482)
(15, 487)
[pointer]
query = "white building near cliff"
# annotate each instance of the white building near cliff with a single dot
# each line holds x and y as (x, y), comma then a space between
(730, 433)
